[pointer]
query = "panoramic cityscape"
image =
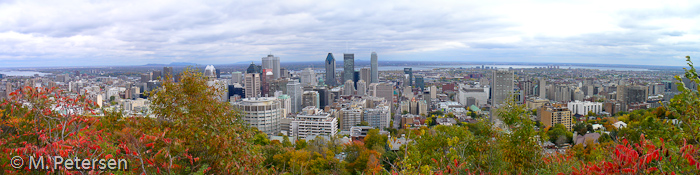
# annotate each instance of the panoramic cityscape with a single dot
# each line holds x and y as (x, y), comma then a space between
(293, 90)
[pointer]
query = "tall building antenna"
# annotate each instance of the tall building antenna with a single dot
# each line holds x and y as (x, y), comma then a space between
(346, 46)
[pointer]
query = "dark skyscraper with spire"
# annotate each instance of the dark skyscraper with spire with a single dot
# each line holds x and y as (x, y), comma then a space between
(330, 70)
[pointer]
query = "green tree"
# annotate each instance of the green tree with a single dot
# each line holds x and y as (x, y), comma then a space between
(374, 138)
(261, 139)
(590, 113)
(558, 134)
(363, 123)
(286, 142)
(300, 144)
(685, 104)
(521, 146)
(211, 130)
(580, 128)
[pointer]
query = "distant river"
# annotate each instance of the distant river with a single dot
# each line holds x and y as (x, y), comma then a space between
(22, 73)
(419, 67)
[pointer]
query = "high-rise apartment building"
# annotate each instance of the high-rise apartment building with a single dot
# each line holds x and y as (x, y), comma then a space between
(272, 62)
(310, 98)
(501, 86)
(378, 117)
(541, 88)
(252, 85)
(631, 94)
(526, 87)
(330, 70)
(361, 88)
(348, 66)
(382, 90)
(349, 118)
(562, 93)
(348, 88)
(366, 74)
(264, 113)
(375, 69)
(552, 115)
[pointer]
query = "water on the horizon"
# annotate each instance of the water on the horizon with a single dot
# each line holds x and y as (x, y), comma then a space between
(22, 73)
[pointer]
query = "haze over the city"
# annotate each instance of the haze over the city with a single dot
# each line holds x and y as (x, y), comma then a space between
(36, 33)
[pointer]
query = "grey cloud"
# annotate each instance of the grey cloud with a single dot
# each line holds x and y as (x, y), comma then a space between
(219, 32)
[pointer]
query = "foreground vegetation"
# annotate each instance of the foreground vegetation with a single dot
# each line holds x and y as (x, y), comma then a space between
(193, 133)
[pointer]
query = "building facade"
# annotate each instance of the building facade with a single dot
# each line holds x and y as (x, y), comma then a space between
(272, 62)
(378, 117)
(295, 92)
(552, 115)
(583, 107)
(375, 69)
(348, 66)
(263, 113)
(308, 78)
(252, 85)
(314, 122)
(501, 86)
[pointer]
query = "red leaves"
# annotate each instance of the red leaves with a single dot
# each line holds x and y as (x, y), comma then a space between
(632, 158)
(627, 170)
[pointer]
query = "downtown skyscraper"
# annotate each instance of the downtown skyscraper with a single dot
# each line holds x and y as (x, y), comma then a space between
(348, 66)
(375, 70)
(330, 70)
(272, 62)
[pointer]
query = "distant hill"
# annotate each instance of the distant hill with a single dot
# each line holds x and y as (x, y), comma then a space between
(182, 64)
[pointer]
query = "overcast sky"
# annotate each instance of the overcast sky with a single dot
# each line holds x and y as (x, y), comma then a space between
(135, 32)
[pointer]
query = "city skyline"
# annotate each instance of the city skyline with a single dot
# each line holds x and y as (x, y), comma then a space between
(82, 33)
